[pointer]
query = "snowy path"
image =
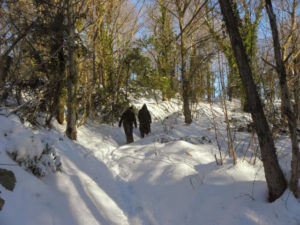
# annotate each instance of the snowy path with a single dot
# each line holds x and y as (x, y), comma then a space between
(142, 169)
(113, 183)
(111, 177)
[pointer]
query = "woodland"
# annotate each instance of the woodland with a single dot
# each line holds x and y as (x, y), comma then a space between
(73, 61)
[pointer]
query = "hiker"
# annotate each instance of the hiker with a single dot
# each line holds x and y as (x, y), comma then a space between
(128, 119)
(144, 120)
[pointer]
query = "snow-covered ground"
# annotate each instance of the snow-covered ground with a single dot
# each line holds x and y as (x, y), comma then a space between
(168, 178)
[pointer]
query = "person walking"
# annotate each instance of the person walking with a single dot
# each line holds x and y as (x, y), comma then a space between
(128, 119)
(144, 121)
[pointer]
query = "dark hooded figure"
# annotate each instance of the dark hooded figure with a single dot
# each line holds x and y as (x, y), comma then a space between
(144, 120)
(128, 119)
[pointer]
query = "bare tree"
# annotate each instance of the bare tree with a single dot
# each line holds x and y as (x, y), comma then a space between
(181, 10)
(285, 99)
(274, 176)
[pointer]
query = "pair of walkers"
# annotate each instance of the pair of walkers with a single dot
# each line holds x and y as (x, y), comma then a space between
(128, 119)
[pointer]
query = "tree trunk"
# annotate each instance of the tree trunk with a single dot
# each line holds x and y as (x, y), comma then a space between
(275, 179)
(185, 81)
(60, 97)
(71, 131)
(208, 83)
(5, 62)
(285, 100)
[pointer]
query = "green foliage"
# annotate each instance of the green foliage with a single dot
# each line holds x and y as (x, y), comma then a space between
(162, 44)
(144, 74)
(248, 27)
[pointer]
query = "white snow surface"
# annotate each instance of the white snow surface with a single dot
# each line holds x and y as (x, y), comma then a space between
(170, 177)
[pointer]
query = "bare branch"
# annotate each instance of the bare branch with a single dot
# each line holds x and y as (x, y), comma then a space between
(191, 20)
(270, 64)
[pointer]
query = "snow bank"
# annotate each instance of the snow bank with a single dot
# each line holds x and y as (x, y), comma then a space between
(27, 148)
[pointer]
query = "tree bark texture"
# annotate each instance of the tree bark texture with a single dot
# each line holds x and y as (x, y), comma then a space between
(274, 177)
(71, 131)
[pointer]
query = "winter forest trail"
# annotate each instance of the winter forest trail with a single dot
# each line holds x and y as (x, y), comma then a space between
(158, 179)
(115, 175)
(109, 175)
(170, 177)
(124, 173)
(99, 181)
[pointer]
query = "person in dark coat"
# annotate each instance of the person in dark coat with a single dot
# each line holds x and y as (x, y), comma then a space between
(144, 120)
(128, 119)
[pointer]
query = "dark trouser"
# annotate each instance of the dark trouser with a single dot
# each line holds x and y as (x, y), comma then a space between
(144, 129)
(128, 129)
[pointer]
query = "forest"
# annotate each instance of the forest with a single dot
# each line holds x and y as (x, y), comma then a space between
(75, 61)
